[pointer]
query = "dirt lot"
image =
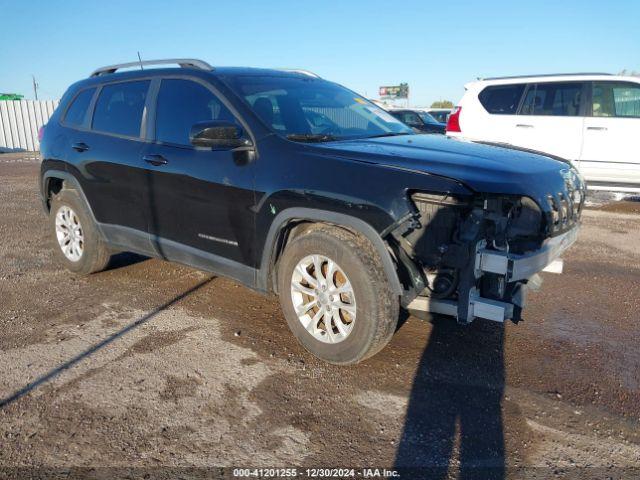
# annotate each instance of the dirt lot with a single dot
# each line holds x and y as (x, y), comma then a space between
(151, 364)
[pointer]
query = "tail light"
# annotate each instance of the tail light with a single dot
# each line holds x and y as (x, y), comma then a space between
(453, 124)
(40, 133)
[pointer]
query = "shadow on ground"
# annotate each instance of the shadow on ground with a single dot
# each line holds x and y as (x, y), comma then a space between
(51, 374)
(454, 416)
(124, 259)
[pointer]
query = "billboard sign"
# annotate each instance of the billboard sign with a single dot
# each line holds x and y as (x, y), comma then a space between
(395, 91)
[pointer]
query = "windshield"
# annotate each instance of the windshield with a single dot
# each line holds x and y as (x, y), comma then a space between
(312, 109)
(427, 118)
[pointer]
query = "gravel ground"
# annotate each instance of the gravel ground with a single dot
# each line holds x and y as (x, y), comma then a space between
(151, 364)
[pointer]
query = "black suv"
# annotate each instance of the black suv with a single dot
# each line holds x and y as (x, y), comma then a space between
(292, 184)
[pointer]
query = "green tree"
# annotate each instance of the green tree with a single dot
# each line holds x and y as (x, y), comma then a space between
(10, 96)
(442, 104)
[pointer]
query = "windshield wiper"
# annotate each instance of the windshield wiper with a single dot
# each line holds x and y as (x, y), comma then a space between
(311, 137)
(390, 134)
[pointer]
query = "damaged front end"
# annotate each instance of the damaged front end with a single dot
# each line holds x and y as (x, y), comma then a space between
(476, 257)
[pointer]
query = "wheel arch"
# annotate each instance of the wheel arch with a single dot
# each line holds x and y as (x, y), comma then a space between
(288, 220)
(53, 179)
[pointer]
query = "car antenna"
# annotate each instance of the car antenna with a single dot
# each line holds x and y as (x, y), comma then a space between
(140, 60)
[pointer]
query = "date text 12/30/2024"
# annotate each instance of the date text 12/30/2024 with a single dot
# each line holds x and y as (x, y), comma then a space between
(315, 473)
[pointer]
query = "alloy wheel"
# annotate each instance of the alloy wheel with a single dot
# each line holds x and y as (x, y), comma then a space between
(69, 233)
(323, 299)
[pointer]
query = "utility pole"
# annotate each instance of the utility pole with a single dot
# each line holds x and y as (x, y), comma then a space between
(35, 86)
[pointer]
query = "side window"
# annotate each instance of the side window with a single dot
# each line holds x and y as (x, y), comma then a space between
(501, 99)
(181, 103)
(265, 105)
(616, 99)
(119, 108)
(78, 109)
(556, 99)
(412, 119)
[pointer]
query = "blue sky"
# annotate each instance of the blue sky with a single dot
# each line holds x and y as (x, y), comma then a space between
(436, 47)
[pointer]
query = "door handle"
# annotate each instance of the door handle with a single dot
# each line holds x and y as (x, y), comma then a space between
(80, 147)
(524, 125)
(597, 128)
(156, 160)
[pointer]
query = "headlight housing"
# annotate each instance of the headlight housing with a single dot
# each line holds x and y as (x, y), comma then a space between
(525, 219)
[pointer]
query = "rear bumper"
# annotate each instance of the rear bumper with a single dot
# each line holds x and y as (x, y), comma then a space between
(514, 268)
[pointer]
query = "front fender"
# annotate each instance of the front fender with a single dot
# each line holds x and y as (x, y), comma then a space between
(331, 217)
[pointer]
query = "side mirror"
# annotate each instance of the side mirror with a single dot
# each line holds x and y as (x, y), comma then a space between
(218, 134)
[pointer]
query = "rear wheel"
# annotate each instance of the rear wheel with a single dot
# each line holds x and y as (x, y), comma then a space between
(335, 295)
(76, 241)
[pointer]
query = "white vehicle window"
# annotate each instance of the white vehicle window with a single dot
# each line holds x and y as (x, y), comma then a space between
(557, 99)
(501, 99)
(616, 99)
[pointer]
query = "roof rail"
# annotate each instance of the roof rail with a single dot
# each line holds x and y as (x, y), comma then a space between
(300, 70)
(544, 75)
(183, 62)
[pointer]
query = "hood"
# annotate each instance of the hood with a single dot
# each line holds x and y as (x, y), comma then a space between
(483, 168)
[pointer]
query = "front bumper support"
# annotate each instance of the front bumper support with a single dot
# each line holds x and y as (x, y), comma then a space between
(520, 267)
(514, 268)
(478, 307)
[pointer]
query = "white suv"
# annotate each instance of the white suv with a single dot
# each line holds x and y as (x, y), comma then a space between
(591, 119)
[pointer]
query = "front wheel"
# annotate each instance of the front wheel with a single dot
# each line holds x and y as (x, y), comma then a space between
(335, 295)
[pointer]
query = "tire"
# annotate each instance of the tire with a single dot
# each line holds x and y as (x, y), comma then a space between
(374, 305)
(92, 255)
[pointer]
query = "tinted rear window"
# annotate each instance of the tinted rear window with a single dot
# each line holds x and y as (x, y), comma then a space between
(119, 108)
(78, 109)
(501, 99)
(440, 116)
(556, 99)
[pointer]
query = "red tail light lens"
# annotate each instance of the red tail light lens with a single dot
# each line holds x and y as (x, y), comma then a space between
(453, 124)
(40, 133)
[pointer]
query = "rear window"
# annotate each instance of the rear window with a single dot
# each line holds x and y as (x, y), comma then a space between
(501, 99)
(77, 111)
(556, 99)
(119, 108)
(440, 116)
